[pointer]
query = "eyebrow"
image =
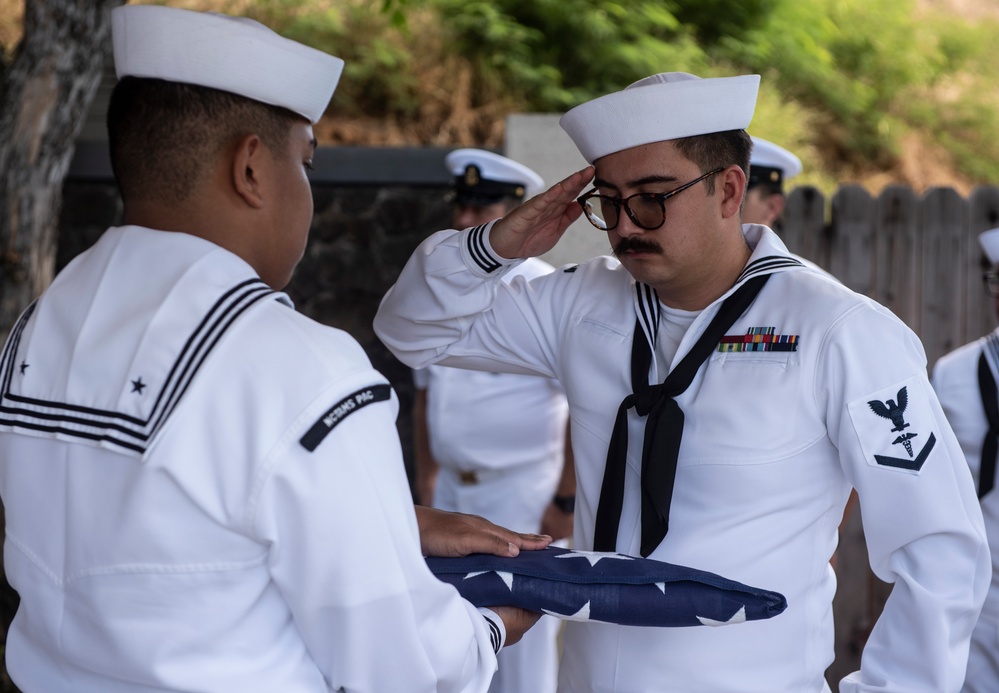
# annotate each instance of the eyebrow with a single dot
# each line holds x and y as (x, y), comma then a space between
(600, 183)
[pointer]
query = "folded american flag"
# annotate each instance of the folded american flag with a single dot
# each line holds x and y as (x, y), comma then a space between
(606, 586)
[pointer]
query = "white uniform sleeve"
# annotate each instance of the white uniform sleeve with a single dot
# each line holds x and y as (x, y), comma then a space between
(450, 301)
(345, 553)
(921, 517)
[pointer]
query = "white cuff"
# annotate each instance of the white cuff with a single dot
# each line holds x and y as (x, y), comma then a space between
(478, 255)
(497, 630)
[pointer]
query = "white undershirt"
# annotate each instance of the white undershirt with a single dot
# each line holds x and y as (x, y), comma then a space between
(673, 325)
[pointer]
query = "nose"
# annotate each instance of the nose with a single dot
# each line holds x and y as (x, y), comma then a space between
(626, 227)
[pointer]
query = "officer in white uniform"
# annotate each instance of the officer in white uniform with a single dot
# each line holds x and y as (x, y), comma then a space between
(751, 395)
(769, 166)
(493, 444)
(203, 488)
(965, 382)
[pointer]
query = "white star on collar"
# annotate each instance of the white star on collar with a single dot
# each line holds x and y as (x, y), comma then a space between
(595, 557)
(507, 578)
(738, 617)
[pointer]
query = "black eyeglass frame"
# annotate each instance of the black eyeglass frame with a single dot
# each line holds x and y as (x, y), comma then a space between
(991, 281)
(624, 202)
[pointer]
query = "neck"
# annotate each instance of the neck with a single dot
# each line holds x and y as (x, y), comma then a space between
(696, 291)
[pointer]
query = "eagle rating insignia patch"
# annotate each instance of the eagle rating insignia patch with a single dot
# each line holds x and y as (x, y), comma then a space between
(895, 427)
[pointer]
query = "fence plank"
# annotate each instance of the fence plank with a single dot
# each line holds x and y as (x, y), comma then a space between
(896, 248)
(804, 227)
(943, 220)
(851, 235)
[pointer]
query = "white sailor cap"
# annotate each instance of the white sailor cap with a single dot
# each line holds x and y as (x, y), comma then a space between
(232, 54)
(771, 163)
(483, 178)
(666, 106)
(989, 240)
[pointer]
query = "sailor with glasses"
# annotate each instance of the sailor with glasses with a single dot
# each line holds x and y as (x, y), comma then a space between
(965, 382)
(724, 400)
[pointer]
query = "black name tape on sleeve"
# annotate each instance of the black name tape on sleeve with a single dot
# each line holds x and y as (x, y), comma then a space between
(340, 411)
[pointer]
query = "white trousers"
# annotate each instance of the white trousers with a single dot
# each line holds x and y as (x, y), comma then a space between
(515, 498)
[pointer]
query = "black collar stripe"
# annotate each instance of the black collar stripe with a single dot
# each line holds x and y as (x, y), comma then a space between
(648, 311)
(205, 348)
(768, 264)
(648, 299)
(249, 291)
(97, 437)
(255, 287)
(96, 424)
(479, 252)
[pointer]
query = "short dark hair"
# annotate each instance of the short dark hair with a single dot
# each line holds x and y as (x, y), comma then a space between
(162, 134)
(717, 150)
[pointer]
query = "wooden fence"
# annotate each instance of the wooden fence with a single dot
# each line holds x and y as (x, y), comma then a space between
(919, 256)
(916, 254)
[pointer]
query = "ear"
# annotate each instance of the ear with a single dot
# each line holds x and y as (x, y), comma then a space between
(247, 168)
(733, 189)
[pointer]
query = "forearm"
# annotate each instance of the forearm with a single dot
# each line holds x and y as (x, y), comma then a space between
(438, 293)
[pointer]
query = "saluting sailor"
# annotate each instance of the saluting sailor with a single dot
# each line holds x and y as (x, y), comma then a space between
(721, 398)
(494, 444)
(203, 488)
(965, 382)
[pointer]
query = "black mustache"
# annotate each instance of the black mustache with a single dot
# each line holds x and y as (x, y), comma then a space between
(639, 245)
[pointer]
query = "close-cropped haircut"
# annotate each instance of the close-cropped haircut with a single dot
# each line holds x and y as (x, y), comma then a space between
(717, 150)
(163, 135)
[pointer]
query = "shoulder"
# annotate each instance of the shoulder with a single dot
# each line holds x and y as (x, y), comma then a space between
(529, 269)
(960, 362)
(281, 339)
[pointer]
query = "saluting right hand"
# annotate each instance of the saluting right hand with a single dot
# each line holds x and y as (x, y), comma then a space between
(535, 227)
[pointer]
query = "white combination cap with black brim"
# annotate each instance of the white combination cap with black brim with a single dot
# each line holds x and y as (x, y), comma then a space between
(665, 106)
(771, 163)
(482, 177)
(231, 54)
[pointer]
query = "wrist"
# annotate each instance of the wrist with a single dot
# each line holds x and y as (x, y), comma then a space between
(566, 504)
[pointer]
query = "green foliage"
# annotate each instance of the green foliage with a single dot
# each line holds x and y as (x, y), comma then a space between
(367, 35)
(553, 54)
(713, 20)
(843, 80)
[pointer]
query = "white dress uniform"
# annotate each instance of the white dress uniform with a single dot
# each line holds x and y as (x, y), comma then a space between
(499, 441)
(773, 442)
(204, 491)
(955, 379)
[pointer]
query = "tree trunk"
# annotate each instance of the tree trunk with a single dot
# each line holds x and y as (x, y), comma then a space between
(45, 92)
